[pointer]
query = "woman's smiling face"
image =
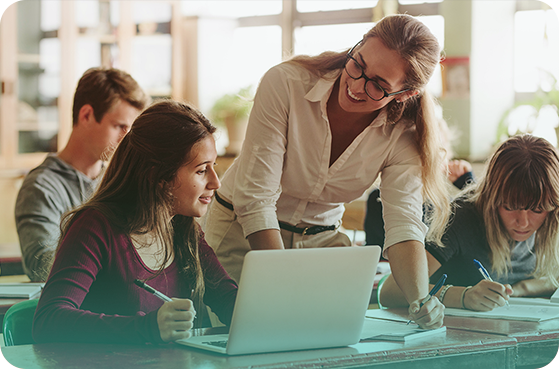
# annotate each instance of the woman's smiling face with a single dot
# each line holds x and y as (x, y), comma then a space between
(380, 64)
(196, 181)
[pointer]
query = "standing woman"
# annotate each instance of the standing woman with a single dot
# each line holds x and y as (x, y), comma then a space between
(320, 131)
(140, 225)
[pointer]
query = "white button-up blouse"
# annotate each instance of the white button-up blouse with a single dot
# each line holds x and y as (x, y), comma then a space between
(283, 172)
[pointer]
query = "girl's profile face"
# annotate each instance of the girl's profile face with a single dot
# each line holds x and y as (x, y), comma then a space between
(380, 64)
(196, 181)
(521, 224)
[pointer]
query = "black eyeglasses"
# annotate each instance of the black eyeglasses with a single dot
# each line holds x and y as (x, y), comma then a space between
(372, 88)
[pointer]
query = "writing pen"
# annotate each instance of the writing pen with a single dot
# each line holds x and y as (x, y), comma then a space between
(433, 291)
(485, 274)
(152, 290)
(158, 294)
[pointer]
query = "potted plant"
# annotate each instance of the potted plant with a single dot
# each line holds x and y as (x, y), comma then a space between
(536, 115)
(232, 111)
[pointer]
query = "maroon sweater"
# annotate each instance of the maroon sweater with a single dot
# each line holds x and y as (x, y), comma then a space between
(90, 295)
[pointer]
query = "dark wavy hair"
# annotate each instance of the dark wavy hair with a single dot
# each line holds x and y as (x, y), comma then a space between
(134, 194)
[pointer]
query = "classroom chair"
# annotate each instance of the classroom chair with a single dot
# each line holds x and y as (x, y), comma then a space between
(18, 322)
(379, 286)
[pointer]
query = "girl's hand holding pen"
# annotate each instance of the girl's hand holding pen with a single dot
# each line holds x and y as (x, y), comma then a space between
(487, 295)
(176, 319)
(428, 316)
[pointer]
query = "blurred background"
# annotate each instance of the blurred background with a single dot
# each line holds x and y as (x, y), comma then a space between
(498, 77)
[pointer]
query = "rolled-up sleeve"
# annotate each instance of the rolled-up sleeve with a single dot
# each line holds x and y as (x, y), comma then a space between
(401, 194)
(257, 182)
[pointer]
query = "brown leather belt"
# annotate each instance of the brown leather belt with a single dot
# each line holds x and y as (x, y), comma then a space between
(306, 230)
(288, 227)
(223, 202)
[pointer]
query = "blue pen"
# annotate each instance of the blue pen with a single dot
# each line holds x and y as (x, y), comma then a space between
(433, 291)
(158, 294)
(485, 274)
(152, 290)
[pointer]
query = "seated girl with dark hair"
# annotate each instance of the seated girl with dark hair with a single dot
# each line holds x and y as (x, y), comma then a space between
(140, 225)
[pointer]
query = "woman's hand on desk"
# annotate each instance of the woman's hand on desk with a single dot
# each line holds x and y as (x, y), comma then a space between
(176, 319)
(487, 295)
(428, 316)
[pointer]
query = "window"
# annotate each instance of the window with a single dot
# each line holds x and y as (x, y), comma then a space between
(536, 43)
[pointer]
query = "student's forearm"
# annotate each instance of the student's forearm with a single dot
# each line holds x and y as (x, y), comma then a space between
(409, 269)
(534, 287)
(265, 239)
(391, 295)
(38, 244)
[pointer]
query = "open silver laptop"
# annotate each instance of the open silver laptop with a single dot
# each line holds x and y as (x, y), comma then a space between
(298, 299)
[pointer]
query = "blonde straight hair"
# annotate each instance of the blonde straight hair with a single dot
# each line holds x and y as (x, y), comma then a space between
(419, 49)
(522, 174)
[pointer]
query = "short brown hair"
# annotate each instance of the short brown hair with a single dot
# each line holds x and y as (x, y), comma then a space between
(103, 87)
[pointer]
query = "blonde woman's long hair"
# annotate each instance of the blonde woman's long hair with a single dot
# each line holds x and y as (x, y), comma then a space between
(522, 174)
(135, 192)
(419, 49)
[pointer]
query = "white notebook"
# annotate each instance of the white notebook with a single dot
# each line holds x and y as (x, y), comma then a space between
(530, 313)
(555, 297)
(518, 310)
(532, 301)
(386, 330)
(20, 290)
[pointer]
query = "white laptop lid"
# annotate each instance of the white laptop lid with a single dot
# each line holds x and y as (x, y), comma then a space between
(302, 298)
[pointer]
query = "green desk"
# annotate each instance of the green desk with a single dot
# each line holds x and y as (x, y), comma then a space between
(537, 342)
(458, 349)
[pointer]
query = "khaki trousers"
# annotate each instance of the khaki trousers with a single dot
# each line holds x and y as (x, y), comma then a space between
(225, 235)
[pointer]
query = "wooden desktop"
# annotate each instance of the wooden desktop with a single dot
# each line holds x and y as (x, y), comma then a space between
(454, 350)
(467, 344)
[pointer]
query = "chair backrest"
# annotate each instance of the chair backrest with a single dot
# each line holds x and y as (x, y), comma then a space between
(18, 322)
(379, 287)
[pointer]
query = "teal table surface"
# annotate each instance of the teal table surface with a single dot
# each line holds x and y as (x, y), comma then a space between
(457, 349)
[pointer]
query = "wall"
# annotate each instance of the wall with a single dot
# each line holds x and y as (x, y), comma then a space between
(492, 89)
(482, 31)
(9, 186)
(458, 29)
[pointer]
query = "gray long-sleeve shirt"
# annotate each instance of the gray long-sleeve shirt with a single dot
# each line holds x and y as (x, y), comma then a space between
(48, 191)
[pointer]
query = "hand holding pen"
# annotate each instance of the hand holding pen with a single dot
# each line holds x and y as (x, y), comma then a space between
(175, 318)
(433, 291)
(487, 277)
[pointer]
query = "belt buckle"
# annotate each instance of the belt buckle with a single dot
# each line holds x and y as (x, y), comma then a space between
(305, 231)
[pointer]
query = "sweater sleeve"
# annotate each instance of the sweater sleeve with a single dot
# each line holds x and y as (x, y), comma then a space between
(221, 290)
(451, 239)
(37, 214)
(81, 256)
(464, 240)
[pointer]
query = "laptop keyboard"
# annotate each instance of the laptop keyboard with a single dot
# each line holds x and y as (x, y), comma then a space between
(222, 344)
